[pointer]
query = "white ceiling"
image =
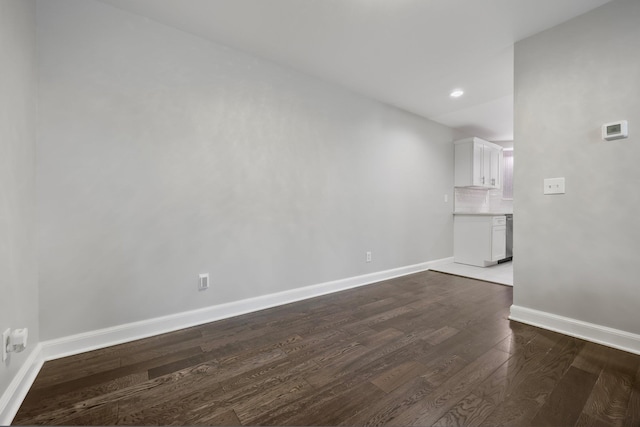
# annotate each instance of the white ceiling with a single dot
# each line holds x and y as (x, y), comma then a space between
(407, 53)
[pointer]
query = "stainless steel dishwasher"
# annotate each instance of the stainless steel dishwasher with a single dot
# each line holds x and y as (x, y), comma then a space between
(509, 246)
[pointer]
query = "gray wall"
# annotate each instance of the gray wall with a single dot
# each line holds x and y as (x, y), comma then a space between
(578, 253)
(18, 268)
(162, 156)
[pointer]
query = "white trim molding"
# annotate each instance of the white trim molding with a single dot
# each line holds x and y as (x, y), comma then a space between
(92, 340)
(13, 396)
(599, 334)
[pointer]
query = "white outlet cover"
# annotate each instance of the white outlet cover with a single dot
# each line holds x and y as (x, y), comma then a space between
(204, 282)
(5, 338)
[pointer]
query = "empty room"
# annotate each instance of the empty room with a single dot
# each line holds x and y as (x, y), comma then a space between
(320, 212)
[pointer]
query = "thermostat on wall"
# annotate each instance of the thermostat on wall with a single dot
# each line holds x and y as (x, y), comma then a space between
(615, 130)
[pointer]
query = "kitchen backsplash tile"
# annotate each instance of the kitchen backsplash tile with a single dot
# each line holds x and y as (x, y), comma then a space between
(480, 200)
(471, 200)
(498, 204)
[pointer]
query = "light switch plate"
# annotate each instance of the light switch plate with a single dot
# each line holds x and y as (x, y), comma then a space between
(554, 186)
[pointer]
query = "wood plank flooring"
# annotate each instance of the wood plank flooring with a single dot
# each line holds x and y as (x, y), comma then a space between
(425, 349)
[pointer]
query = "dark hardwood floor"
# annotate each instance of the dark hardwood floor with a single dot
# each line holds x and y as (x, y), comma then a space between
(425, 349)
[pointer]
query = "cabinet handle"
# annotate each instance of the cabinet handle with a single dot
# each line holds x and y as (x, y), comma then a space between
(493, 181)
(483, 179)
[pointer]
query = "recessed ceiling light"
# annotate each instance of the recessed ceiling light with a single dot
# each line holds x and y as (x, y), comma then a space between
(456, 93)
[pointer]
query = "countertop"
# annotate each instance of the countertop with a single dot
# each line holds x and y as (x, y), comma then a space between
(483, 213)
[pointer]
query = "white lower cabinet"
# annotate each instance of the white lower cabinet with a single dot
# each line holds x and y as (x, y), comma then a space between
(479, 240)
(499, 242)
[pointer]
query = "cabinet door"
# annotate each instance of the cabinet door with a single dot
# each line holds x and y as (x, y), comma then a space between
(486, 166)
(478, 164)
(495, 167)
(498, 242)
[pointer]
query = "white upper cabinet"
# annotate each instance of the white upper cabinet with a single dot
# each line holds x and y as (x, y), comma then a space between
(478, 163)
(495, 175)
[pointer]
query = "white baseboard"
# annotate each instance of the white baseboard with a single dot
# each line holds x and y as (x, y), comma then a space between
(13, 396)
(101, 338)
(576, 328)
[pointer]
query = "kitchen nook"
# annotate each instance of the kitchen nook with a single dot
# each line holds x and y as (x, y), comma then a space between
(483, 211)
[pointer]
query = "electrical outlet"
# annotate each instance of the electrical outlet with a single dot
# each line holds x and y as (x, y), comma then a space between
(368, 257)
(203, 284)
(5, 342)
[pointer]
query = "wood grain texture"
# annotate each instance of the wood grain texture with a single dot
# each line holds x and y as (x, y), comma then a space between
(452, 391)
(632, 418)
(424, 349)
(609, 401)
(525, 400)
(398, 375)
(564, 405)
(470, 411)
